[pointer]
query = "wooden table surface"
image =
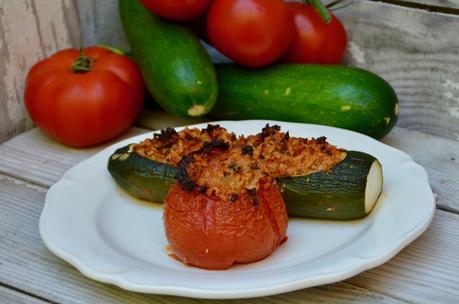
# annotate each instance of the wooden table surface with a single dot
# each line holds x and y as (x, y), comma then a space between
(426, 271)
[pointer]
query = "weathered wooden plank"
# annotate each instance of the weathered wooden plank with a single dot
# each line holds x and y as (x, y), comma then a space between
(9, 296)
(417, 52)
(29, 266)
(33, 156)
(440, 158)
(426, 271)
(29, 31)
(428, 4)
(36, 157)
(100, 23)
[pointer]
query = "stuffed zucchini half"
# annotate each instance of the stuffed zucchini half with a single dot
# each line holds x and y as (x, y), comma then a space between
(147, 170)
(348, 191)
(316, 179)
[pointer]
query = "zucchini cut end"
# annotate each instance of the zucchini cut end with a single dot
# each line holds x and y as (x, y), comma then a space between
(374, 186)
(197, 110)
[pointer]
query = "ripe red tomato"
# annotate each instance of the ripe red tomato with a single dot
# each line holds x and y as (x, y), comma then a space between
(177, 9)
(251, 32)
(214, 234)
(85, 107)
(315, 41)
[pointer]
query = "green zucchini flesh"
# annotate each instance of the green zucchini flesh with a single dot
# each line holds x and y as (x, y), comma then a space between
(176, 68)
(338, 96)
(348, 191)
(139, 176)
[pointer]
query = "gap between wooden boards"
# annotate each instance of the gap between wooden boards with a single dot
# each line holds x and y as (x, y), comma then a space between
(15, 295)
(423, 6)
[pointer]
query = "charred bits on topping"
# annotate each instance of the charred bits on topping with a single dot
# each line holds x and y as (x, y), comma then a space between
(189, 137)
(286, 137)
(321, 140)
(220, 167)
(210, 129)
(252, 193)
(202, 189)
(166, 134)
(233, 197)
(247, 150)
(168, 146)
(269, 130)
(209, 146)
(183, 176)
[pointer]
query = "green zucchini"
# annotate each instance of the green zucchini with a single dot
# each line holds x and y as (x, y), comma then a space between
(175, 66)
(139, 176)
(338, 96)
(348, 191)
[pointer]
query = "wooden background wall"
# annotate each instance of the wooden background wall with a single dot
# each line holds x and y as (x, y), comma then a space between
(29, 30)
(414, 44)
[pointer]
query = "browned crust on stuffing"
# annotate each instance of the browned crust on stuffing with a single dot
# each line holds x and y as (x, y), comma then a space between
(170, 146)
(284, 155)
(242, 165)
(221, 170)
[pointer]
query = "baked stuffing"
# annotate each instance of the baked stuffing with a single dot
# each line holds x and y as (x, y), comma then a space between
(227, 169)
(170, 146)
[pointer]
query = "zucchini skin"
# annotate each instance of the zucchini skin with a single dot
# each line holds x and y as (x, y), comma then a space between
(139, 176)
(335, 195)
(338, 96)
(338, 194)
(176, 68)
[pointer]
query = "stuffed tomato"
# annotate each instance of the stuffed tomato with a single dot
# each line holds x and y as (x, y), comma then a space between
(223, 209)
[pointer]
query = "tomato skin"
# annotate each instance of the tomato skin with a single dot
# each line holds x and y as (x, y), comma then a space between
(253, 33)
(177, 9)
(315, 41)
(84, 109)
(214, 234)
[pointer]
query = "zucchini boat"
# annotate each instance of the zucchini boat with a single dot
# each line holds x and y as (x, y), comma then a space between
(345, 189)
(348, 191)
(140, 176)
(146, 170)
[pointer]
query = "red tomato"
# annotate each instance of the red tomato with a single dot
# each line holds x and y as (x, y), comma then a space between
(177, 9)
(214, 234)
(86, 107)
(251, 32)
(314, 40)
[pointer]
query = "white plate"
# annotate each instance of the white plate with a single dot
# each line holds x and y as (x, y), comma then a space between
(111, 237)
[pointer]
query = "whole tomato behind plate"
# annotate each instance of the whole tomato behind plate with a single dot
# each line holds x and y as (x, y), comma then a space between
(253, 33)
(315, 40)
(84, 99)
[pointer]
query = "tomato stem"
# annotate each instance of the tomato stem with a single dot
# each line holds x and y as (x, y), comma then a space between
(320, 7)
(83, 63)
